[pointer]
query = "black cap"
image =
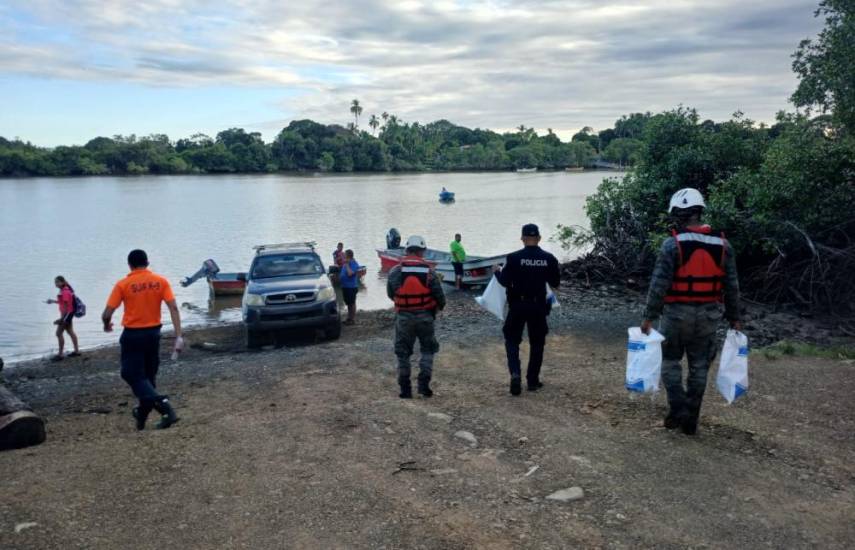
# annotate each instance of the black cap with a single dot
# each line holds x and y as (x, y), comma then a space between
(530, 230)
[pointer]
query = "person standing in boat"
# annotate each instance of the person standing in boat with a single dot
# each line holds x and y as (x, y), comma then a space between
(142, 293)
(417, 292)
(458, 256)
(349, 277)
(525, 276)
(65, 301)
(338, 255)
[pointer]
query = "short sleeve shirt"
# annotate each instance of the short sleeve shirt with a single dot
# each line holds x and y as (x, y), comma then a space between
(457, 252)
(349, 281)
(142, 293)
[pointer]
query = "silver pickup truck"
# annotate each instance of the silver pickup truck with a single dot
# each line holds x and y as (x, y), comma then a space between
(287, 287)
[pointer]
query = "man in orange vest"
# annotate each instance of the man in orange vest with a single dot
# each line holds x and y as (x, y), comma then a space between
(142, 293)
(694, 274)
(417, 292)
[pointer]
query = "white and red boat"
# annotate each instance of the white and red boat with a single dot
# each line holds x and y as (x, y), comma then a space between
(477, 270)
(220, 284)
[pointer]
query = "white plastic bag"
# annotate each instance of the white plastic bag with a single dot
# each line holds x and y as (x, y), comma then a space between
(494, 298)
(732, 379)
(643, 360)
(551, 298)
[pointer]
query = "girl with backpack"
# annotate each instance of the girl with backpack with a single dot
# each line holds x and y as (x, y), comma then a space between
(65, 300)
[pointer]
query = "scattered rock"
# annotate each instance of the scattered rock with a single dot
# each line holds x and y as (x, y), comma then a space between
(523, 440)
(468, 437)
(443, 471)
(567, 495)
(440, 416)
(532, 470)
(24, 526)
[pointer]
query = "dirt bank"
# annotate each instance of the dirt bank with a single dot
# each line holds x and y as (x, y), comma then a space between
(308, 446)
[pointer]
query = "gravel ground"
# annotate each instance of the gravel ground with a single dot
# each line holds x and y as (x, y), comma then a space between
(307, 446)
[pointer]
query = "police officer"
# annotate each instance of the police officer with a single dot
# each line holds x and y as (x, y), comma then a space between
(694, 273)
(417, 292)
(525, 276)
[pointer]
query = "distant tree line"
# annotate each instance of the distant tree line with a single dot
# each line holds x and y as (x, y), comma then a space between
(305, 145)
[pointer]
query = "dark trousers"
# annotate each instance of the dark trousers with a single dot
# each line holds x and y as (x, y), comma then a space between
(140, 361)
(519, 316)
(689, 330)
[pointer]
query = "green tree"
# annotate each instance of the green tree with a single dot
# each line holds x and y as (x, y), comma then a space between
(356, 109)
(373, 122)
(826, 67)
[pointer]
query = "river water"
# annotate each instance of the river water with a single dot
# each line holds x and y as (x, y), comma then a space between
(83, 228)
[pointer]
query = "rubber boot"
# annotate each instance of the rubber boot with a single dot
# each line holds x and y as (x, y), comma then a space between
(167, 414)
(406, 387)
(141, 414)
(674, 419)
(424, 387)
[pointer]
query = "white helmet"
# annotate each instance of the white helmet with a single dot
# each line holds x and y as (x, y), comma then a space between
(416, 241)
(686, 198)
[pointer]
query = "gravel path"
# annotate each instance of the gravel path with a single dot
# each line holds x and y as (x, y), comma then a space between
(308, 446)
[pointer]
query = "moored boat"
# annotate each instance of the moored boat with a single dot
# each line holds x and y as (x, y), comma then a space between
(446, 195)
(220, 284)
(526, 170)
(477, 270)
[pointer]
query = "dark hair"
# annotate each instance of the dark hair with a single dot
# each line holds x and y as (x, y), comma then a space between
(348, 253)
(137, 258)
(61, 279)
(340, 244)
(457, 236)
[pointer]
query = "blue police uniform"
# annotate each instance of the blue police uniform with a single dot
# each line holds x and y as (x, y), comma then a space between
(525, 276)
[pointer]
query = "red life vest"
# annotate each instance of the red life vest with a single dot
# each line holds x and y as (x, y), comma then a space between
(700, 272)
(414, 293)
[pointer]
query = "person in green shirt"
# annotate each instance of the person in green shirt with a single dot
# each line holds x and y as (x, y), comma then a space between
(458, 256)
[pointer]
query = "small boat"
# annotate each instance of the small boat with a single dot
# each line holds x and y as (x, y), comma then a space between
(477, 270)
(219, 284)
(446, 195)
(526, 170)
(575, 169)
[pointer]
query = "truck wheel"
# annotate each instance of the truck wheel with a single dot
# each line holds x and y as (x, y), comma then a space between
(254, 339)
(333, 331)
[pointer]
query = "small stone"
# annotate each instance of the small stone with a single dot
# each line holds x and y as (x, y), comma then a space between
(468, 437)
(24, 526)
(523, 440)
(440, 416)
(567, 495)
(443, 471)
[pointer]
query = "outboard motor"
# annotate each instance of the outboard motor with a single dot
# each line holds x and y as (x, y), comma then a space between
(393, 239)
(209, 269)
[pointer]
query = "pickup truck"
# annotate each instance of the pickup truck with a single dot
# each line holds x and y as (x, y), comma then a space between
(287, 287)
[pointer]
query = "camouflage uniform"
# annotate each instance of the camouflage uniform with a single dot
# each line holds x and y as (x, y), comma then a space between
(412, 325)
(688, 328)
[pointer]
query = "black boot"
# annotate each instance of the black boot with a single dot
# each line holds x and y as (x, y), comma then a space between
(535, 385)
(167, 414)
(406, 387)
(674, 419)
(141, 414)
(424, 387)
(516, 385)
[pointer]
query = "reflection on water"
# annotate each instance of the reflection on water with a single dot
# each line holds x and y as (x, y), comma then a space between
(83, 228)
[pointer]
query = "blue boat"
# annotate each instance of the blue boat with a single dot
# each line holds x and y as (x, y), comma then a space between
(446, 196)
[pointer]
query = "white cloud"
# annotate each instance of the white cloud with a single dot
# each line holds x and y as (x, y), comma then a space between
(559, 64)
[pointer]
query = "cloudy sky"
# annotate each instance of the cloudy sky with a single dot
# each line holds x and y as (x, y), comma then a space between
(74, 69)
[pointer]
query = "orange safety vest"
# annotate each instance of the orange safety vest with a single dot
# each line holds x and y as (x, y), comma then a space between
(414, 293)
(700, 273)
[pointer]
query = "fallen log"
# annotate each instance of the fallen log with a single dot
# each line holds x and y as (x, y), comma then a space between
(19, 426)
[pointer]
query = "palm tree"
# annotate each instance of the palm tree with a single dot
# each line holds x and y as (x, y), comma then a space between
(521, 128)
(356, 109)
(385, 116)
(374, 122)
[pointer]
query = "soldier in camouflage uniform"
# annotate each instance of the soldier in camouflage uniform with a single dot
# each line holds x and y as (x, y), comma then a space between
(417, 292)
(694, 274)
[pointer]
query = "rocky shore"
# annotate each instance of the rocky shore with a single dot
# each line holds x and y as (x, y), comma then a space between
(306, 445)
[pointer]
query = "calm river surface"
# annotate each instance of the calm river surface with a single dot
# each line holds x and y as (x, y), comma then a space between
(83, 228)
